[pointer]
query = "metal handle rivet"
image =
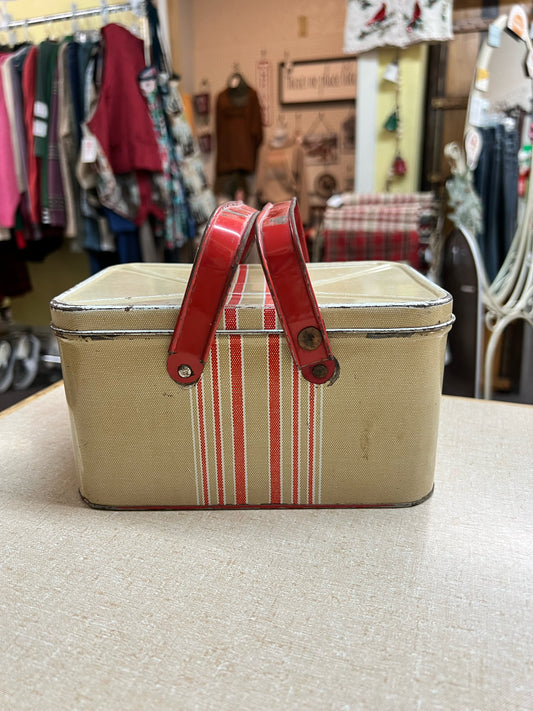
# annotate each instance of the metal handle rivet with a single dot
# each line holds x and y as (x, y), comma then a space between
(184, 371)
(309, 338)
(320, 371)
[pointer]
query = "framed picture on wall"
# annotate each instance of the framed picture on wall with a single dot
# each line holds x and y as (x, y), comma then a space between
(317, 81)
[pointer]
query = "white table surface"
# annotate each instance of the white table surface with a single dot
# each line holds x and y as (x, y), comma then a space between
(420, 608)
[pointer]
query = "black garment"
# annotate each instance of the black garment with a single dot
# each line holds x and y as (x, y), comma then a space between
(496, 182)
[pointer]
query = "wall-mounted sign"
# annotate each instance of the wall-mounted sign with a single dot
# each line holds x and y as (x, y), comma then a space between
(317, 81)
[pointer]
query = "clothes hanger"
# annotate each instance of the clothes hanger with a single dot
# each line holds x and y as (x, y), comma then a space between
(74, 24)
(7, 19)
(27, 37)
(236, 79)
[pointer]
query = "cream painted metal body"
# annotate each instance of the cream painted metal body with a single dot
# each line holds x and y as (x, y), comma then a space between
(253, 432)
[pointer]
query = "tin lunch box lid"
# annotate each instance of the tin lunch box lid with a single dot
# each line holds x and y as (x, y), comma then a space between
(143, 298)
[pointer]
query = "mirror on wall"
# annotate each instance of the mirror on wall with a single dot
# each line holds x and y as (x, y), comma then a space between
(496, 214)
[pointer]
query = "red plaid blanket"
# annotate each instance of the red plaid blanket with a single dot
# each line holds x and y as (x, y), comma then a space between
(423, 200)
(383, 226)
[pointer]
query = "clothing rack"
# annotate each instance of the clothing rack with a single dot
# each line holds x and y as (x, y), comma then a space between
(137, 7)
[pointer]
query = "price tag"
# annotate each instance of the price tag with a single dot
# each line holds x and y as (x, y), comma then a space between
(473, 146)
(88, 149)
(40, 128)
(40, 110)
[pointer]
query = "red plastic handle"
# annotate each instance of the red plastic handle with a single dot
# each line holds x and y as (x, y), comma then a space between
(279, 239)
(225, 238)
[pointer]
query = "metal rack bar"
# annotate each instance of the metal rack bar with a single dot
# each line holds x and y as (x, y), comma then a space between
(72, 15)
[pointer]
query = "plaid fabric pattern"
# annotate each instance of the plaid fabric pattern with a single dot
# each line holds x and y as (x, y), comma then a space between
(382, 226)
(424, 200)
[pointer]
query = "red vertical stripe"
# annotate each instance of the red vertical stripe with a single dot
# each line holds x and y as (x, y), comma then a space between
(235, 299)
(218, 424)
(311, 442)
(203, 448)
(237, 412)
(274, 418)
(295, 434)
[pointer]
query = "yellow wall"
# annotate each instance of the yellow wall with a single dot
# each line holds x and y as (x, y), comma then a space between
(412, 62)
(26, 9)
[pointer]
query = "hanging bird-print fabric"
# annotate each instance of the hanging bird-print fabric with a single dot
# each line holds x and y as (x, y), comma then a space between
(371, 23)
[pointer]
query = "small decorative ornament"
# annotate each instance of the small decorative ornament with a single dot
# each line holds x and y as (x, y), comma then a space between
(399, 166)
(202, 103)
(391, 73)
(204, 142)
(391, 124)
(473, 146)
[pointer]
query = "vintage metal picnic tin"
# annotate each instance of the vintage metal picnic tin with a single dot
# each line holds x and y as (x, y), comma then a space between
(252, 431)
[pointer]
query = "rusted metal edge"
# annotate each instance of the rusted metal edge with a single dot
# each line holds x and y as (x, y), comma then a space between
(369, 332)
(252, 507)
(86, 308)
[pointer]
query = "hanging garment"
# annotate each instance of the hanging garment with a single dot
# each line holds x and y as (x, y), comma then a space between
(29, 78)
(9, 192)
(496, 183)
(46, 66)
(56, 199)
(397, 24)
(239, 130)
(97, 237)
(68, 144)
(12, 79)
(200, 198)
(78, 55)
(120, 121)
(177, 224)
(134, 195)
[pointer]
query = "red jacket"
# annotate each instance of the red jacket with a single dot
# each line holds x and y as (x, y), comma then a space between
(121, 121)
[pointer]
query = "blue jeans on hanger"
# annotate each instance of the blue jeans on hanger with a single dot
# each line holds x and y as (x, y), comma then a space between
(496, 182)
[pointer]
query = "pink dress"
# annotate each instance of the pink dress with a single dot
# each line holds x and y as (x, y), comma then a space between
(9, 193)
